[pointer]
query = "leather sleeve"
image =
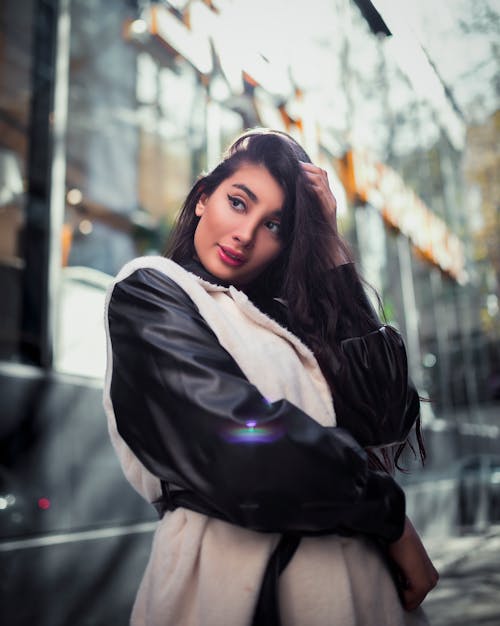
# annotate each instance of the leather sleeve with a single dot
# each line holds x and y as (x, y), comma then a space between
(374, 398)
(187, 411)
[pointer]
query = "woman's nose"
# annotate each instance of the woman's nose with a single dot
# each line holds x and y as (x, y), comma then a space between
(245, 234)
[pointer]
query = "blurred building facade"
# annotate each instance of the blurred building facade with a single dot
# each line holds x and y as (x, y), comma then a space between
(109, 109)
(154, 91)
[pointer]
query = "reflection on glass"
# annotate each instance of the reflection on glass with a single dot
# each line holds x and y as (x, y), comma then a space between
(136, 140)
(81, 345)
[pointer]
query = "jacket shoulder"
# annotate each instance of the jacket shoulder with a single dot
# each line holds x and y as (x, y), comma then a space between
(159, 264)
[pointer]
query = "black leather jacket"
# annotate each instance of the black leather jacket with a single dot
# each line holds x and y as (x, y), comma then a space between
(175, 390)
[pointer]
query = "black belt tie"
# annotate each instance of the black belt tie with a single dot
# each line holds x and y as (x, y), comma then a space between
(267, 610)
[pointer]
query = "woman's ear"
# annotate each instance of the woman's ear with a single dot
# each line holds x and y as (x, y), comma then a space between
(201, 204)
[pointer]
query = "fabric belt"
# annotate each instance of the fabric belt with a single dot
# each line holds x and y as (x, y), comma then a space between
(267, 610)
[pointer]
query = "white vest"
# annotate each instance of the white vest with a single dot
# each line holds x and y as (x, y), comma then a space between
(205, 572)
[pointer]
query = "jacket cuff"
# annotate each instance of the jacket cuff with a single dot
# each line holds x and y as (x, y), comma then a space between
(381, 486)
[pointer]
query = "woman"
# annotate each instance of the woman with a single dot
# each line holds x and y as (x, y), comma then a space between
(249, 382)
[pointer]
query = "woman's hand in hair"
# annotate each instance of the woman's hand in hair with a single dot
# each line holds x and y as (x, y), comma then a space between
(415, 571)
(317, 179)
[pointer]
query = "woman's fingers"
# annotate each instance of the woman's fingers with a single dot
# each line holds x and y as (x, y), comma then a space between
(417, 589)
(313, 169)
(316, 176)
(318, 181)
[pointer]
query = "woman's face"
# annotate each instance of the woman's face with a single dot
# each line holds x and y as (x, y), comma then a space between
(238, 234)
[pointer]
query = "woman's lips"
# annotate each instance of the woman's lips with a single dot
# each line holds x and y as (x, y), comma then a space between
(231, 257)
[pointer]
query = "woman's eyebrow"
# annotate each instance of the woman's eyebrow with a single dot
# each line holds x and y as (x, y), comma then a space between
(248, 191)
(277, 213)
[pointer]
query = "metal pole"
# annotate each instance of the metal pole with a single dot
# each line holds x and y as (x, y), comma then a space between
(58, 172)
(40, 240)
(410, 310)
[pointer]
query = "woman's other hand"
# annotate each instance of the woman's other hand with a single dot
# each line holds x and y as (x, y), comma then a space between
(417, 574)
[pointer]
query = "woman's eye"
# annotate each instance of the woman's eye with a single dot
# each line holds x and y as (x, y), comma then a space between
(274, 227)
(236, 203)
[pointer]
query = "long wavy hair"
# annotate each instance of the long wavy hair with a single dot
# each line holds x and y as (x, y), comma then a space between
(298, 274)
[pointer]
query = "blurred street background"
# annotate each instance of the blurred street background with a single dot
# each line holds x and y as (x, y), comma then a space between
(467, 593)
(109, 110)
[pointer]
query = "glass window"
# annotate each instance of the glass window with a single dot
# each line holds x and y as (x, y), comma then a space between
(15, 97)
(135, 142)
